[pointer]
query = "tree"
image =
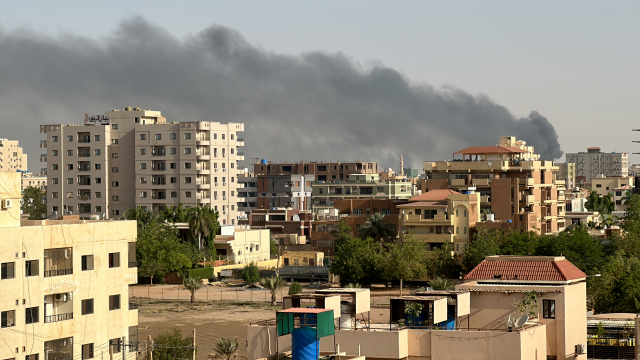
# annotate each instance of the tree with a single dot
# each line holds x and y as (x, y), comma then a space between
(626, 199)
(192, 284)
(601, 204)
(519, 243)
(159, 251)
(442, 263)
(273, 248)
(342, 233)
(251, 274)
(273, 285)
(583, 250)
(175, 214)
(202, 221)
(295, 288)
(440, 283)
(226, 348)
(354, 258)
(377, 228)
(402, 261)
(174, 346)
(485, 244)
(528, 304)
(617, 288)
(34, 203)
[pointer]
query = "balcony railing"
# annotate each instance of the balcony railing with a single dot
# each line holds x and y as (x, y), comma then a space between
(133, 306)
(240, 139)
(58, 272)
(133, 264)
(59, 317)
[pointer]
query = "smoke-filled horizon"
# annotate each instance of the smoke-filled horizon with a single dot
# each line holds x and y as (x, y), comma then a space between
(311, 106)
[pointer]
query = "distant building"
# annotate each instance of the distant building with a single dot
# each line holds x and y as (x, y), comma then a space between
(616, 186)
(322, 171)
(247, 195)
(411, 172)
(594, 163)
(37, 181)
(284, 191)
(242, 245)
(567, 172)
(12, 157)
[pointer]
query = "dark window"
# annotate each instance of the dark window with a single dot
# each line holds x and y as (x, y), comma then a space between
(114, 260)
(115, 345)
(8, 270)
(31, 268)
(87, 351)
(87, 306)
(549, 309)
(87, 262)
(32, 357)
(8, 319)
(114, 302)
(31, 315)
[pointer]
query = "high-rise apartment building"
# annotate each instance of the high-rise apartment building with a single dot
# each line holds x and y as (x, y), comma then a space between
(512, 182)
(12, 158)
(65, 285)
(567, 172)
(594, 163)
(130, 158)
(322, 171)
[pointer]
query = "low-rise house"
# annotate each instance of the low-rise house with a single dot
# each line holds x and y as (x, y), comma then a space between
(243, 245)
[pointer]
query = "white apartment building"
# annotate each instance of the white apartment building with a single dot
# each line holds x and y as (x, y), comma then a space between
(65, 285)
(12, 158)
(33, 180)
(243, 245)
(130, 158)
(593, 163)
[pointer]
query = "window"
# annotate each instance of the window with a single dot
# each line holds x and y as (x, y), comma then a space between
(143, 151)
(98, 180)
(31, 315)
(69, 137)
(116, 212)
(465, 213)
(114, 141)
(69, 180)
(223, 136)
(172, 136)
(114, 169)
(143, 166)
(114, 260)
(98, 195)
(172, 165)
(158, 137)
(96, 152)
(54, 195)
(187, 180)
(172, 151)
(87, 351)
(97, 166)
(54, 166)
(54, 180)
(187, 150)
(114, 126)
(143, 180)
(87, 306)
(187, 194)
(96, 137)
(8, 271)
(598, 185)
(457, 230)
(173, 180)
(31, 268)
(87, 262)
(548, 309)
(114, 302)
(187, 136)
(187, 165)
(54, 139)
(115, 184)
(98, 209)
(114, 155)
(465, 230)
(174, 194)
(231, 136)
(143, 136)
(457, 213)
(31, 357)
(54, 152)
(69, 166)
(143, 194)
(54, 209)
(8, 318)
(115, 198)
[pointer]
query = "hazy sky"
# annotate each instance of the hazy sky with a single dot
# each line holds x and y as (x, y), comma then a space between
(574, 62)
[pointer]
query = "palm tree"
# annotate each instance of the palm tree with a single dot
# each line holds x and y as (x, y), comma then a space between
(377, 227)
(226, 348)
(627, 197)
(273, 285)
(440, 283)
(200, 222)
(175, 214)
(192, 284)
(143, 217)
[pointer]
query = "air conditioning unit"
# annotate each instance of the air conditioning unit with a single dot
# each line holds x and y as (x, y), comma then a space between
(216, 184)
(7, 204)
(224, 184)
(581, 349)
(64, 297)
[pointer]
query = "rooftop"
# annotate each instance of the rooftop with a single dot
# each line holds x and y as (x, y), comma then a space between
(526, 268)
(487, 150)
(434, 195)
(423, 203)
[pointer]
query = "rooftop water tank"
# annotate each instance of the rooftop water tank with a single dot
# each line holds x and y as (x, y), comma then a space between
(263, 161)
(304, 344)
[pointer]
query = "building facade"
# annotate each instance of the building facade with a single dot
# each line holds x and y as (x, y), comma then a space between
(12, 157)
(132, 158)
(567, 172)
(512, 182)
(617, 187)
(594, 162)
(322, 171)
(243, 245)
(247, 195)
(37, 181)
(65, 285)
(287, 191)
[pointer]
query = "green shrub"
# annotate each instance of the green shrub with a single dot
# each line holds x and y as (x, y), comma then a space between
(202, 273)
(295, 288)
(251, 274)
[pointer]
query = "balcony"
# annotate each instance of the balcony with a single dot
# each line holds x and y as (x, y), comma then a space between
(43, 158)
(458, 182)
(84, 167)
(84, 138)
(58, 307)
(43, 144)
(58, 272)
(240, 156)
(202, 140)
(159, 152)
(240, 141)
(527, 199)
(203, 185)
(58, 317)
(133, 264)
(484, 199)
(421, 219)
(530, 181)
(204, 157)
(481, 182)
(203, 171)
(204, 200)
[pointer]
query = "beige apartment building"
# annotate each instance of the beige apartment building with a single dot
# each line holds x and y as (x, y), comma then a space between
(12, 158)
(616, 186)
(130, 158)
(322, 171)
(65, 285)
(32, 180)
(512, 182)
(567, 172)
(594, 162)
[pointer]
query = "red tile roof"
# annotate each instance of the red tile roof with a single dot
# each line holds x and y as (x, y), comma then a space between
(423, 203)
(544, 270)
(625, 187)
(434, 195)
(481, 150)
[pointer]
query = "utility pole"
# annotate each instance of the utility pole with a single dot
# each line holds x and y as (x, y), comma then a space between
(194, 344)
(151, 346)
(123, 348)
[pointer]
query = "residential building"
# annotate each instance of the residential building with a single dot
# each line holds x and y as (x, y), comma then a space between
(243, 245)
(593, 163)
(560, 287)
(131, 158)
(439, 217)
(512, 182)
(12, 158)
(247, 194)
(582, 218)
(322, 171)
(65, 284)
(617, 187)
(358, 186)
(411, 172)
(567, 172)
(302, 258)
(38, 181)
(575, 201)
(282, 221)
(288, 191)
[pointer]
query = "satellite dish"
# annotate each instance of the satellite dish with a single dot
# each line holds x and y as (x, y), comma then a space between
(296, 217)
(521, 321)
